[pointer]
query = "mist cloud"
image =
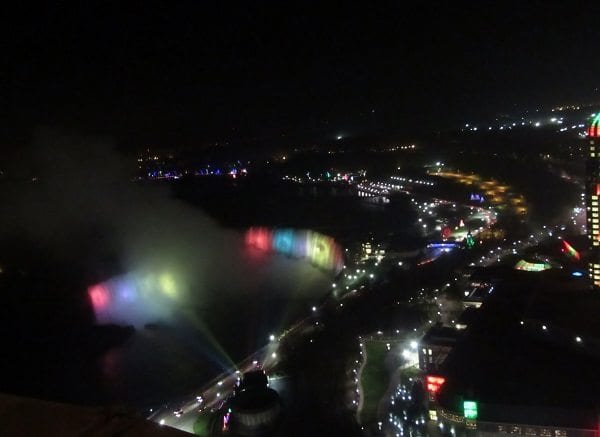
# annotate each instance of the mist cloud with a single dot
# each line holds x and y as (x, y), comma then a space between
(79, 202)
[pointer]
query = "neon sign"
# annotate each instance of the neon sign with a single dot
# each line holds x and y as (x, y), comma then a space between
(470, 409)
(594, 131)
(570, 251)
(434, 383)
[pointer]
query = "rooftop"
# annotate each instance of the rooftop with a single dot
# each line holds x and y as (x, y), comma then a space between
(520, 372)
(25, 416)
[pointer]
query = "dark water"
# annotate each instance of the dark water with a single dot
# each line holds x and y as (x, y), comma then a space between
(333, 210)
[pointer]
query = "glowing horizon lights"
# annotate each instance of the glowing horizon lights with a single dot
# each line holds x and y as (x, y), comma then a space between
(319, 249)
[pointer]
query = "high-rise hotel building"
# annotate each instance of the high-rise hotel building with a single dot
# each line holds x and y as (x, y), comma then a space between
(592, 196)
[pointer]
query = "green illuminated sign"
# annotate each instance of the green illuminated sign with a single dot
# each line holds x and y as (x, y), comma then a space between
(469, 241)
(470, 409)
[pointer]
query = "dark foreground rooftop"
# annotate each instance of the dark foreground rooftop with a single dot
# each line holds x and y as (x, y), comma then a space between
(24, 416)
(520, 372)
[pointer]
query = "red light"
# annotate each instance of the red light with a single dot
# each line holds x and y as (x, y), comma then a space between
(593, 130)
(434, 383)
(597, 189)
(259, 238)
(570, 250)
(99, 296)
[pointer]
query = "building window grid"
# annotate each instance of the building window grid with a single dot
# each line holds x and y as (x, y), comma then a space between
(593, 227)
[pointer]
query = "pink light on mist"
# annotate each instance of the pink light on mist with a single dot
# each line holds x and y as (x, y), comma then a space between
(99, 296)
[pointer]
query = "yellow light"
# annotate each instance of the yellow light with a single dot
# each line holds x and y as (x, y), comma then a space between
(167, 284)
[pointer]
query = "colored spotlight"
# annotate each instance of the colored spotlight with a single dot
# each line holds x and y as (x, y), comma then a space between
(99, 296)
(167, 285)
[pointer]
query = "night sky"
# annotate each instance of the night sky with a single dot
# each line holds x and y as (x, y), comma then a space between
(188, 73)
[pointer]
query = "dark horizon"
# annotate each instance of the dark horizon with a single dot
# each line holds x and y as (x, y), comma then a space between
(194, 73)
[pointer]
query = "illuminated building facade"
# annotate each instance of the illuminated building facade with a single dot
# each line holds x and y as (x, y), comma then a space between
(435, 346)
(592, 199)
